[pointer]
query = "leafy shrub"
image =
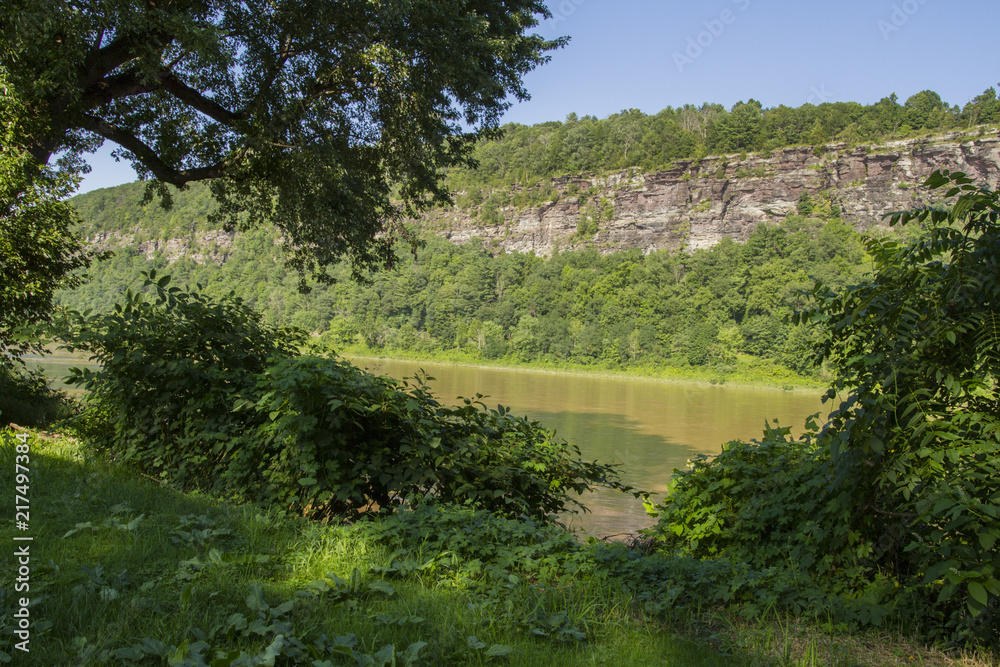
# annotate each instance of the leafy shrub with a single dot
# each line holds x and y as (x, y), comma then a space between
(752, 502)
(26, 399)
(894, 507)
(203, 395)
(339, 439)
(172, 366)
(917, 351)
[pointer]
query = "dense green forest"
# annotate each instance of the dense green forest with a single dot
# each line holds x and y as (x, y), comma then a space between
(633, 139)
(706, 308)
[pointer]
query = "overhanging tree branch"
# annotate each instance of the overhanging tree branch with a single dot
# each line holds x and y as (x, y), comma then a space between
(148, 157)
(173, 85)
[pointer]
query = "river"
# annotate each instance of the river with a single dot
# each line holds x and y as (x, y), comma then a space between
(651, 427)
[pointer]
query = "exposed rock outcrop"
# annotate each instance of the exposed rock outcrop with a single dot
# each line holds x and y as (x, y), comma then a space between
(699, 202)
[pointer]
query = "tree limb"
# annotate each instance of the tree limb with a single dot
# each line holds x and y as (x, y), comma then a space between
(147, 156)
(170, 83)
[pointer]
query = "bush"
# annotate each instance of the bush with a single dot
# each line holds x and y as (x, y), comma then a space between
(172, 367)
(26, 399)
(203, 395)
(893, 507)
(916, 350)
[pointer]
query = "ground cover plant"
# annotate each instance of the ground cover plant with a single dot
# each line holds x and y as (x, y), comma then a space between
(127, 571)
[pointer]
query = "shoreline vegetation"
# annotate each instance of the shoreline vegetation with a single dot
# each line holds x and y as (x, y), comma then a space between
(749, 372)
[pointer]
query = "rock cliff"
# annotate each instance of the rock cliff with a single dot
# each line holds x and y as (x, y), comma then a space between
(699, 202)
(694, 205)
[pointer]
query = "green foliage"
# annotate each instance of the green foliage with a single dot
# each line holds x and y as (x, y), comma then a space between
(145, 575)
(916, 351)
(434, 540)
(614, 311)
(27, 400)
(340, 439)
(772, 503)
(202, 394)
(39, 252)
(329, 121)
(805, 205)
(891, 510)
(172, 366)
(656, 141)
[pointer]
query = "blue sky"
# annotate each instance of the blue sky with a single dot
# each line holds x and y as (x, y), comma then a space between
(648, 55)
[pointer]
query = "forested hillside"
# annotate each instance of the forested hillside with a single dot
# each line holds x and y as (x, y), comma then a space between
(710, 308)
(652, 142)
(704, 309)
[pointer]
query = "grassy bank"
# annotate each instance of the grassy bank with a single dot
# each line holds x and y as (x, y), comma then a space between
(747, 372)
(126, 571)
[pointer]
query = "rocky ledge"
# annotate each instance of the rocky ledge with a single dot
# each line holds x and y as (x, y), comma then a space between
(700, 202)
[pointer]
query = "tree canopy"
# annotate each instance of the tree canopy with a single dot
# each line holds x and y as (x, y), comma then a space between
(38, 251)
(330, 119)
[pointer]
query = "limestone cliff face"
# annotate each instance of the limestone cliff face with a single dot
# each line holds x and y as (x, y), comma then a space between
(699, 202)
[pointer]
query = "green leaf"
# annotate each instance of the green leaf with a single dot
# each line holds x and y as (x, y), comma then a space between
(255, 598)
(385, 655)
(988, 539)
(381, 587)
(186, 595)
(308, 481)
(978, 593)
(934, 572)
(272, 652)
(499, 650)
(226, 660)
(936, 180)
(412, 651)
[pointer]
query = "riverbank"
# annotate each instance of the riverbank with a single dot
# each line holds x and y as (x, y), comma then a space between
(751, 372)
(748, 372)
(134, 571)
